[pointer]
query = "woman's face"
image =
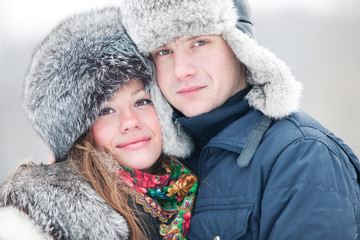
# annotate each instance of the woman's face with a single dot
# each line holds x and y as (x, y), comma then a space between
(129, 128)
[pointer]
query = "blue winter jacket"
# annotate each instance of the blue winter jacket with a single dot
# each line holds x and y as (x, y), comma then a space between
(302, 182)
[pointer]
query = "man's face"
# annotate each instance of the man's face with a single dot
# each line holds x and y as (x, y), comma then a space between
(198, 74)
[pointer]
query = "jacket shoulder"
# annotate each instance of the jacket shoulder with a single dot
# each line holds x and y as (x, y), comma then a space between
(302, 127)
(11, 220)
(62, 202)
(300, 139)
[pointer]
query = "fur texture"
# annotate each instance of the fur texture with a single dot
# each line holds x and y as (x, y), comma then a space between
(152, 24)
(176, 142)
(62, 204)
(16, 225)
(82, 63)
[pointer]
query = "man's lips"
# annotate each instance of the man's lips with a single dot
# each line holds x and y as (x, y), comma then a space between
(134, 143)
(190, 90)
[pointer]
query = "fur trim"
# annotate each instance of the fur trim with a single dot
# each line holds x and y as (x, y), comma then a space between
(63, 204)
(82, 63)
(152, 24)
(176, 142)
(275, 92)
(16, 225)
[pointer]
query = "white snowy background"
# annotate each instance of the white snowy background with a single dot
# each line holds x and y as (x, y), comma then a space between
(319, 40)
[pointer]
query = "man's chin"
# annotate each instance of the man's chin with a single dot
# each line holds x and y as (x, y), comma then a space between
(193, 111)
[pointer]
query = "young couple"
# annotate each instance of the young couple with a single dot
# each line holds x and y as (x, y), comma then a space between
(266, 169)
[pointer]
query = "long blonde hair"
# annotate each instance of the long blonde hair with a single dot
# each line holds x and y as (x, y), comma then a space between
(86, 159)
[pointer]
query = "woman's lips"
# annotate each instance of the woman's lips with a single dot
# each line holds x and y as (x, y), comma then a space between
(135, 143)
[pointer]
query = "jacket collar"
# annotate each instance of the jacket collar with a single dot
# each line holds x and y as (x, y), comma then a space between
(205, 126)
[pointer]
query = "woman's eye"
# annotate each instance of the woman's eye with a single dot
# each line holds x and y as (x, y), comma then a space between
(142, 102)
(106, 111)
(199, 43)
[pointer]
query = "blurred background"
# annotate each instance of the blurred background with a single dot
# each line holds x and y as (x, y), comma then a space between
(319, 40)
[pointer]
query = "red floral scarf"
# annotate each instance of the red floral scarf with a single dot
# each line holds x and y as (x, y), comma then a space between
(169, 197)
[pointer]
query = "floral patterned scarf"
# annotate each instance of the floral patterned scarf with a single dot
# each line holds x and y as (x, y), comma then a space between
(169, 197)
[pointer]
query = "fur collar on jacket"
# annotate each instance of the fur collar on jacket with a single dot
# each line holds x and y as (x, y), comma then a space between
(61, 204)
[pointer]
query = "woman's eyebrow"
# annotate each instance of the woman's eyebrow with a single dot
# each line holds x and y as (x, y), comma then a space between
(138, 91)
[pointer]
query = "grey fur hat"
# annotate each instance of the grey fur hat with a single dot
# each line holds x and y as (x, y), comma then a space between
(154, 23)
(78, 66)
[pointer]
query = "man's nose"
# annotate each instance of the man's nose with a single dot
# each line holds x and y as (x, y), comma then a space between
(184, 65)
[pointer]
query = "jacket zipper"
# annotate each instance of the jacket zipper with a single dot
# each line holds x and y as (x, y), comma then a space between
(178, 126)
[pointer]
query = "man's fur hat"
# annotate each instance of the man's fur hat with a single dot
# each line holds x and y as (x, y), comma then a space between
(154, 23)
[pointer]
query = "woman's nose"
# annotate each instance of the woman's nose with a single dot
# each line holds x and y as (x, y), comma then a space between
(129, 121)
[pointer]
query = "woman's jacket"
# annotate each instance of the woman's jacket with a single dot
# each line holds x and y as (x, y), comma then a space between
(55, 202)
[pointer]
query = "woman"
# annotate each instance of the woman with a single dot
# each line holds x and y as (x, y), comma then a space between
(115, 175)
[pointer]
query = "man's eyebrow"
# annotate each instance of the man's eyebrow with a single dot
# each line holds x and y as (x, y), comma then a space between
(194, 37)
(163, 46)
(190, 38)
(200, 36)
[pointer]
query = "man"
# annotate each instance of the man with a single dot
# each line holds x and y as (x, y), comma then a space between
(267, 169)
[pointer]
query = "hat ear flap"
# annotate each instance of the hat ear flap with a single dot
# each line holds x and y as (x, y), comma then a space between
(275, 92)
(174, 140)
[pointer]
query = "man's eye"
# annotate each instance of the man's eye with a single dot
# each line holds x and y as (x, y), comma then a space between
(163, 52)
(106, 111)
(142, 102)
(199, 43)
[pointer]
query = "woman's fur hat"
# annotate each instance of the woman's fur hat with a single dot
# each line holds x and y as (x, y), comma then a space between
(154, 23)
(78, 66)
